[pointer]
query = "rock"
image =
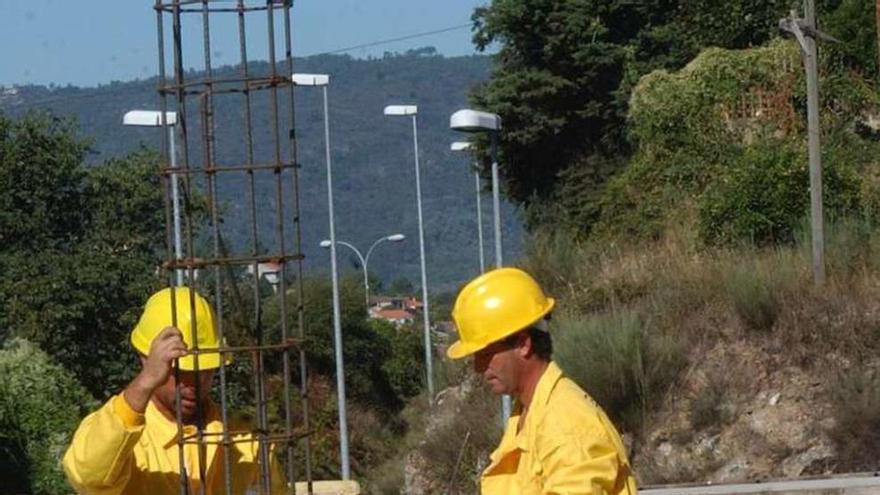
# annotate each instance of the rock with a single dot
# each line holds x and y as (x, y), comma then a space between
(735, 470)
(795, 465)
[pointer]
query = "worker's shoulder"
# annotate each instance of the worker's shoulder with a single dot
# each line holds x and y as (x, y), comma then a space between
(570, 409)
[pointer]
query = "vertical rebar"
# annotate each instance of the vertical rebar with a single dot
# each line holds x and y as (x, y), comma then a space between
(279, 196)
(178, 80)
(205, 90)
(249, 160)
(300, 309)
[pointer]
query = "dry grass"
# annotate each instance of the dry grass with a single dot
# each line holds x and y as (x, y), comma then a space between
(856, 433)
(678, 297)
(470, 434)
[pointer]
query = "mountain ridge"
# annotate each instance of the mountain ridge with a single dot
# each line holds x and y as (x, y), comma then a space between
(372, 156)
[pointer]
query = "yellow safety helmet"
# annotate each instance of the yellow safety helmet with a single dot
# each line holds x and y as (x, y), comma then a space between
(157, 316)
(496, 305)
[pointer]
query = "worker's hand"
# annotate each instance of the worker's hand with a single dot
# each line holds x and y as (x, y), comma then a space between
(157, 366)
(166, 347)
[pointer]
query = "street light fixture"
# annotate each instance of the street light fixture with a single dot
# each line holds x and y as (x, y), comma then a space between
(365, 260)
(412, 111)
(471, 121)
(153, 118)
(466, 146)
(476, 121)
(322, 81)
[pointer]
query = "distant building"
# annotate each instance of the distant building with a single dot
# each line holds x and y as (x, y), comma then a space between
(397, 310)
(398, 317)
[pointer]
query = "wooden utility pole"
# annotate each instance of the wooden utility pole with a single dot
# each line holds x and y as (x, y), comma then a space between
(811, 65)
(806, 33)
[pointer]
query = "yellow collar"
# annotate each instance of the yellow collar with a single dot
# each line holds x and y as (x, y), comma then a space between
(540, 398)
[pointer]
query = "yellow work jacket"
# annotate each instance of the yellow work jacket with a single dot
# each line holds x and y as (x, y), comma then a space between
(118, 451)
(567, 446)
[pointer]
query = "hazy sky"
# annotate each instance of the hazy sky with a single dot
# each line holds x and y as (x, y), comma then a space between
(90, 42)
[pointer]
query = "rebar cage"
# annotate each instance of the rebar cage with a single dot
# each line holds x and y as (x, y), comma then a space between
(216, 115)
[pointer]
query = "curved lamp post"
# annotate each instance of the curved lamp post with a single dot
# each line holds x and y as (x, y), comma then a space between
(326, 243)
(411, 111)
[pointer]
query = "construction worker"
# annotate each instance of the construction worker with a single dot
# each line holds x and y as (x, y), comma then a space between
(130, 445)
(558, 440)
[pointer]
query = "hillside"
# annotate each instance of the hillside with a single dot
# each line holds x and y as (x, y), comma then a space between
(372, 155)
(691, 314)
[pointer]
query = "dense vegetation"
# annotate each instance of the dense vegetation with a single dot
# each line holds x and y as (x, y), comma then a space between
(565, 74)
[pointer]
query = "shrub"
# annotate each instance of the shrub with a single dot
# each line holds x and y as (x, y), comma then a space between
(458, 447)
(709, 406)
(753, 297)
(40, 407)
(404, 368)
(856, 399)
(619, 363)
(765, 193)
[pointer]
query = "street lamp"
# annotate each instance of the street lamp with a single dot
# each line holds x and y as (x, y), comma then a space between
(270, 271)
(466, 146)
(152, 118)
(326, 243)
(475, 121)
(467, 120)
(322, 81)
(404, 111)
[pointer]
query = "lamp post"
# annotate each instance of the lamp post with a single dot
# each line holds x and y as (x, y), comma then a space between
(411, 111)
(467, 120)
(322, 81)
(466, 146)
(152, 118)
(326, 243)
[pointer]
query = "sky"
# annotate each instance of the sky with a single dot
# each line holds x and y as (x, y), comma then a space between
(87, 43)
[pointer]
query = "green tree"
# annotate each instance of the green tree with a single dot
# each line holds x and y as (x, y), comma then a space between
(365, 351)
(565, 70)
(42, 180)
(40, 405)
(85, 248)
(405, 366)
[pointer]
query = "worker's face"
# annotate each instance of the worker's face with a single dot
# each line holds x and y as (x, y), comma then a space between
(499, 364)
(188, 398)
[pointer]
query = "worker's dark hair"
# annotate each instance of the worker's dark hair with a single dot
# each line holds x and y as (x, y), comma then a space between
(542, 342)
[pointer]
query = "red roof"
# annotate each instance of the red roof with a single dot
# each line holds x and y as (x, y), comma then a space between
(394, 314)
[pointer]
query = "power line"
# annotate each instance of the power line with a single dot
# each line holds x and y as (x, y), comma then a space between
(392, 40)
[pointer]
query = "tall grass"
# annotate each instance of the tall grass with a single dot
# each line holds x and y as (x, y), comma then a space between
(617, 360)
(754, 296)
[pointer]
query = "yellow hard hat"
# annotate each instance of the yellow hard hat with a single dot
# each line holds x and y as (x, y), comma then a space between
(496, 305)
(157, 316)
